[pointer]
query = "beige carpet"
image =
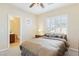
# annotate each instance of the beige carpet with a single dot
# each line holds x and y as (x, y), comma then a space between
(16, 52)
(11, 52)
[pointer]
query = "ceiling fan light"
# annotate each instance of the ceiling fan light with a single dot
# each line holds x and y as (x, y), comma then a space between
(37, 4)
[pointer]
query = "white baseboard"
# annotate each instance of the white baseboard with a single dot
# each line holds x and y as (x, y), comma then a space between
(76, 50)
(73, 52)
(4, 49)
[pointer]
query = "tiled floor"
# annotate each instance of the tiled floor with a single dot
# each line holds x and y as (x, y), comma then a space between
(13, 45)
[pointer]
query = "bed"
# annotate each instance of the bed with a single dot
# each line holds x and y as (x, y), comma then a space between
(44, 46)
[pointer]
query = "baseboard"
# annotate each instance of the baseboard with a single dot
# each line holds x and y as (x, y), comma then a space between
(4, 49)
(76, 50)
(72, 52)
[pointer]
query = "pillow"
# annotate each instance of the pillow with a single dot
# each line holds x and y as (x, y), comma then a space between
(63, 36)
(50, 34)
(57, 35)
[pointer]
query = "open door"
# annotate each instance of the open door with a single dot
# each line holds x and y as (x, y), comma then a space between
(14, 23)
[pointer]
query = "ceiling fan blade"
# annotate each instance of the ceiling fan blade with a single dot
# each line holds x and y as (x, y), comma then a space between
(32, 5)
(41, 4)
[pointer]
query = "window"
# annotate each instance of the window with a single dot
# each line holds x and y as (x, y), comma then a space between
(57, 24)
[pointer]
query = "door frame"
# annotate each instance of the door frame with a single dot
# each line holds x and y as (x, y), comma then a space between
(20, 37)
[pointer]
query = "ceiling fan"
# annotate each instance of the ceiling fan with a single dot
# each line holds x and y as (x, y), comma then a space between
(41, 4)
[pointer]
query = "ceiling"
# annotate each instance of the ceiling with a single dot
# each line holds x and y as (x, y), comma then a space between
(36, 9)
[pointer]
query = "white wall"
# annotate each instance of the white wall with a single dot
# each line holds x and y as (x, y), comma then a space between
(27, 31)
(73, 22)
(3, 30)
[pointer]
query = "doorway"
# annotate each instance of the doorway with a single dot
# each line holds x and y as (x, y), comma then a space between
(14, 39)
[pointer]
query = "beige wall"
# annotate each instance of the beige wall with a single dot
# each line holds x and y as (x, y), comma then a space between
(27, 30)
(73, 21)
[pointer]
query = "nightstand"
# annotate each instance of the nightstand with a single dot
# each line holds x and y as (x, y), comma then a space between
(12, 38)
(37, 36)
